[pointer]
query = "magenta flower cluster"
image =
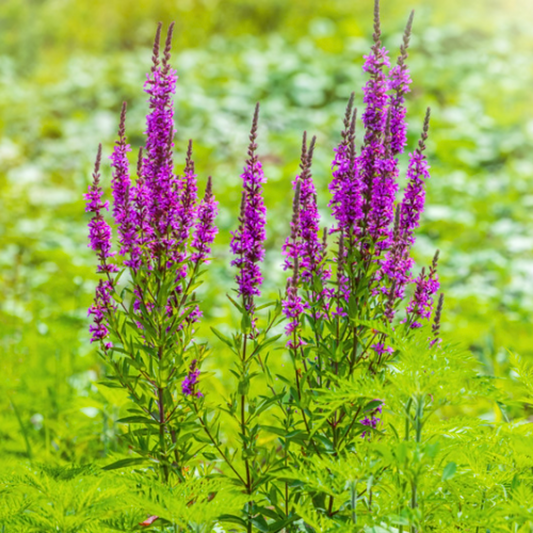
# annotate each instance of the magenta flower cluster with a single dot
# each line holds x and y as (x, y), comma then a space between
(189, 384)
(159, 221)
(247, 243)
(374, 232)
(162, 225)
(373, 420)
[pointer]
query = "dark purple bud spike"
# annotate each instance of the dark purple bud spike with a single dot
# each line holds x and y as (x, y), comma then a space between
(189, 163)
(377, 30)
(252, 147)
(303, 155)
(341, 252)
(155, 53)
(435, 261)
(347, 117)
(98, 161)
(122, 125)
(438, 313)
(406, 37)
(388, 138)
(425, 130)
(168, 48)
(140, 161)
(351, 137)
(311, 151)
(294, 279)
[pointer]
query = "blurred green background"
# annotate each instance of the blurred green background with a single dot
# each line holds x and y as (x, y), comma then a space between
(67, 65)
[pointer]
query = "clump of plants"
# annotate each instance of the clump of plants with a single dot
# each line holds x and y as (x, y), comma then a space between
(347, 436)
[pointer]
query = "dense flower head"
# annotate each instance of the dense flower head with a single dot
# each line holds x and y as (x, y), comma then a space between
(247, 242)
(345, 187)
(397, 264)
(99, 229)
(378, 232)
(205, 229)
(187, 208)
(156, 212)
(157, 165)
(123, 209)
(399, 84)
(304, 242)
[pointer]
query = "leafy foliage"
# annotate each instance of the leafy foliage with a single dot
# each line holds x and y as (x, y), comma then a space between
(472, 464)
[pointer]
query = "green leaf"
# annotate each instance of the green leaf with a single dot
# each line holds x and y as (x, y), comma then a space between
(124, 462)
(449, 471)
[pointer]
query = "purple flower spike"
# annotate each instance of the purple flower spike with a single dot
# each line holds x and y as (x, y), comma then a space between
(99, 230)
(396, 266)
(292, 304)
(414, 197)
(122, 204)
(304, 241)
(421, 304)
(384, 188)
(188, 197)
(205, 229)
(312, 249)
(345, 186)
(188, 385)
(102, 305)
(399, 81)
(157, 165)
(375, 115)
(247, 241)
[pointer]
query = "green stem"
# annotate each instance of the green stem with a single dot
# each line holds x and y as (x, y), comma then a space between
(354, 502)
(162, 431)
(217, 446)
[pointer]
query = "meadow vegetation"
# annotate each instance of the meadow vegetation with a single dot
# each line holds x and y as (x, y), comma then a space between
(452, 451)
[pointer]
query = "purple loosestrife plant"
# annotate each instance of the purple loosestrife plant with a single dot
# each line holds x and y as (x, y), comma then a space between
(252, 471)
(341, 327)
(145, 305)
(349, 305)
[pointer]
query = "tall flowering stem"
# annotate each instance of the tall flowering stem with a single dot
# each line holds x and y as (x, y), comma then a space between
(100, 242)
(249, 343)
(247, 242)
